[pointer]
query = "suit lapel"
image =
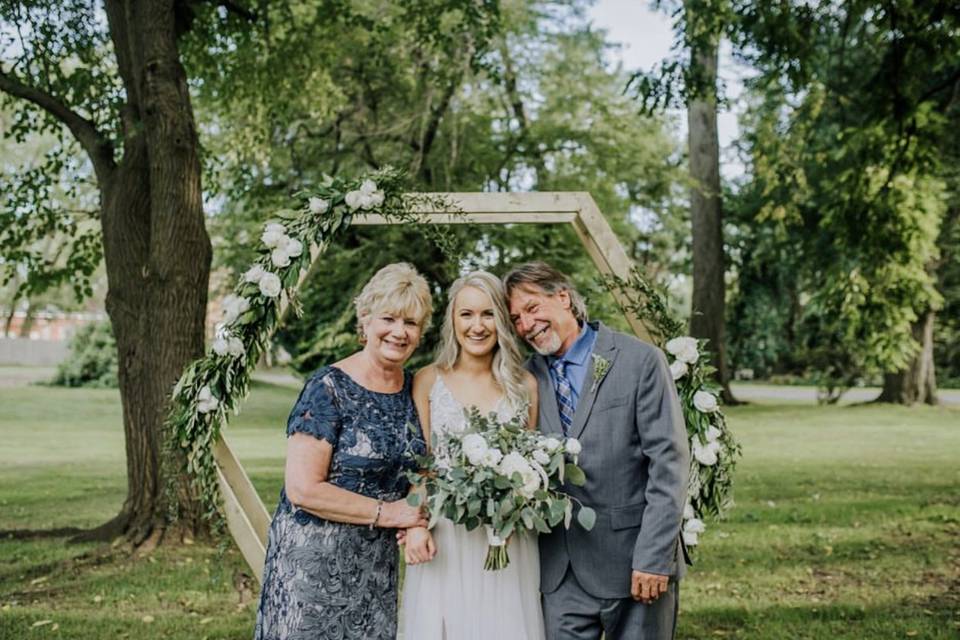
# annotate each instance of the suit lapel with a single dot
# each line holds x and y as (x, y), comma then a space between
(549, 410)
(604, 347)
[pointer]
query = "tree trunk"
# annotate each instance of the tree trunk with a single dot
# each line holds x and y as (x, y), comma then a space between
(157, 254)
(918, 382)
(709, 289)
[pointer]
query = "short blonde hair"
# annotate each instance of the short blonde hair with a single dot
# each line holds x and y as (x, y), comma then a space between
(397, 289)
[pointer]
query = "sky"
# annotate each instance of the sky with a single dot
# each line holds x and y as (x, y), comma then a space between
(646, 37)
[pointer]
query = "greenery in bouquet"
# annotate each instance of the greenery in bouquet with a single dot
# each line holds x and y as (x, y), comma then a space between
(502, 476)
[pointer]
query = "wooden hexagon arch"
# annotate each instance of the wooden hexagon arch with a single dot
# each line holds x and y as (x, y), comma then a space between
(247, 518)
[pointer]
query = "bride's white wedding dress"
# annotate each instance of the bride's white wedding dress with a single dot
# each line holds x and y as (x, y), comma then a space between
(452, 597)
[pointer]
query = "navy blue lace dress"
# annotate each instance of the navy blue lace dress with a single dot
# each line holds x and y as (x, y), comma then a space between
(326, 579)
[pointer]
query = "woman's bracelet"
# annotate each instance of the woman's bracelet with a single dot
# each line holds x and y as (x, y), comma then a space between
(376, 518)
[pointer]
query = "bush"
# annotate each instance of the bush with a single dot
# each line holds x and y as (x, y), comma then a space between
(92, 361)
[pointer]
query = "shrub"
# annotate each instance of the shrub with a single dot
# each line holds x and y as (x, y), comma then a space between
(93, 359)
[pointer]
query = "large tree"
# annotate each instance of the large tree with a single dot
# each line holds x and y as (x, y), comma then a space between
(689, 78)
(114, 80)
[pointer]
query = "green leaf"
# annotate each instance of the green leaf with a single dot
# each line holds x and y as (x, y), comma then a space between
(575, 475)
(587, 517)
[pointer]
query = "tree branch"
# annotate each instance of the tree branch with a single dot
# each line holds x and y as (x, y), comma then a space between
(97, 147)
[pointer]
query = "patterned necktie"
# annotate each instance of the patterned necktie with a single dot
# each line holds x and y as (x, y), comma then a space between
(564, 395)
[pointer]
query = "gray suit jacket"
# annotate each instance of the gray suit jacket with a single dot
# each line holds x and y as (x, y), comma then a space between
(637, 461)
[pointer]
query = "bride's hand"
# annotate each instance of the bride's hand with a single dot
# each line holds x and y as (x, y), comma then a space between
(420, 546)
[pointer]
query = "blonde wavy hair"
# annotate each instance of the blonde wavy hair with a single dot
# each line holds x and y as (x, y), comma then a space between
(507, 366)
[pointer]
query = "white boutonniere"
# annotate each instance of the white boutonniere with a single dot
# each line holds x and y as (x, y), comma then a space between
(600, 367)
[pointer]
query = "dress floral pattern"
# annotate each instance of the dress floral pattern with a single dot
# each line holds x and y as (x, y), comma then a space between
(332, 580)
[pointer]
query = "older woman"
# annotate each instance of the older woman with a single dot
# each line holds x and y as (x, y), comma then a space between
(331, 569)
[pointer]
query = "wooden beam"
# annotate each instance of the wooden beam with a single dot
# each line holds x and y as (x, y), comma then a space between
(246, 516)
(543, 217)
(607, 253)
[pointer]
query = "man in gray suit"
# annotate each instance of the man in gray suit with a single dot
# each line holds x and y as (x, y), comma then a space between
(616, 395)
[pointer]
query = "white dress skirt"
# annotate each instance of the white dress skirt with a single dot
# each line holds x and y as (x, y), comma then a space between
(452, 597)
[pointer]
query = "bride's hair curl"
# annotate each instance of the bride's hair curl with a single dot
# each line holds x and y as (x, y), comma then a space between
(507, 365)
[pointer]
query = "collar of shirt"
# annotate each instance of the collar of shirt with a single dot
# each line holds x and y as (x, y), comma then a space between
(577, 358)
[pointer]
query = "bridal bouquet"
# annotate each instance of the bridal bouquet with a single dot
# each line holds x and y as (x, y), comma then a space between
(502, 476)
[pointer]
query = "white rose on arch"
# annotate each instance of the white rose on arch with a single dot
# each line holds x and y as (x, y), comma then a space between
(705, 402)
(233, 307)
(279, 257)
(706, 454)
(318, 205)
(253, 274)
(206, 401)
(227, 344)
(692, 528)
(683, 348)
(270, 285)
(366, 197)
(678, 369)
(273, 235)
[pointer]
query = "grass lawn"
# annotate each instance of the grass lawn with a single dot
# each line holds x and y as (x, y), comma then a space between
(847, 525)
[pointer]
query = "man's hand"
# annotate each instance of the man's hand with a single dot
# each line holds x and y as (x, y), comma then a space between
(647, 587)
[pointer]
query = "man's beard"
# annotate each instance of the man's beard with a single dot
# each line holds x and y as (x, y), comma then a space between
(551, 346)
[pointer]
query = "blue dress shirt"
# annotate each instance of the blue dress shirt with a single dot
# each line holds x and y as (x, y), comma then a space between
(577, 360)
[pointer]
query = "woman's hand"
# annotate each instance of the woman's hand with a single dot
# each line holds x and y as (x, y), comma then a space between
(400, 515)
(420, 546)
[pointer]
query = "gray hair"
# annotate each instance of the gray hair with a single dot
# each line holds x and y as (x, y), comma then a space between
(396, 288)
(550, 280)
(507, 365)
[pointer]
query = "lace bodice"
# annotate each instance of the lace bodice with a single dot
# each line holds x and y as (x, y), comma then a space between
(447, 414)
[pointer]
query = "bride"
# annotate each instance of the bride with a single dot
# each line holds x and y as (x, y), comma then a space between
(447, 595)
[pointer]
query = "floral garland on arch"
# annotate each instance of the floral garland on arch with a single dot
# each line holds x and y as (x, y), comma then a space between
(713, 448)
(214, 385)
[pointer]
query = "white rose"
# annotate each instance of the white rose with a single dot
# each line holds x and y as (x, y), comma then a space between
(273, 235)
(704, 454)
(354, 199)
(512, 463)
(541, 456)
(694, 525)
(683, 348)
(551, 444)
(206, 401)
(367, 187)
(531, 482)
(491, 458)
(221, 347)
(678, 369)
(373, 200)
(474, 446)
(713, 434)
(573, 446)
(279, 257)
(235, 347)
(690, 539)
(318, 205)
(292, 247)
(233, 307)
(705, 401)
(253, 274)
(688, 511)
(270, 285)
